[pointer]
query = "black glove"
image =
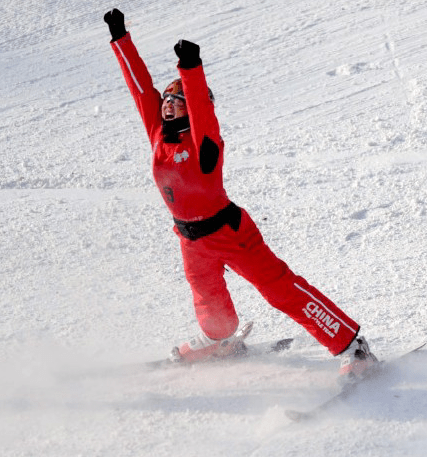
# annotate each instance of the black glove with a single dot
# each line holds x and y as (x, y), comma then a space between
(188, 54)
(116, 22)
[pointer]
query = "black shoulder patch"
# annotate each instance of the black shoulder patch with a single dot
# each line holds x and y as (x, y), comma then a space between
(209, 154)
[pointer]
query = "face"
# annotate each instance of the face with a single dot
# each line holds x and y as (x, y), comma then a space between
(173, 108)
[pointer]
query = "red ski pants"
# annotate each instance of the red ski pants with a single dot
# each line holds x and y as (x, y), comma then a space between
(247, 254)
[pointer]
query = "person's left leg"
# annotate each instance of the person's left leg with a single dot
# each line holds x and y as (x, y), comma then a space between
(252, 258)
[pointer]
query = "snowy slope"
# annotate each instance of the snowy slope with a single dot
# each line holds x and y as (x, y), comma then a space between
(323, 111)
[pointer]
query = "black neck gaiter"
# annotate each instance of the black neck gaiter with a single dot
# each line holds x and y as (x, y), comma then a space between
(171, 129)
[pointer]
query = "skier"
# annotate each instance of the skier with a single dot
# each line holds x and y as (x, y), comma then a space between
(187, 166)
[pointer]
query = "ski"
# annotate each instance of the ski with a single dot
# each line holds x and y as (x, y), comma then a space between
(243, 351)
(349, 389)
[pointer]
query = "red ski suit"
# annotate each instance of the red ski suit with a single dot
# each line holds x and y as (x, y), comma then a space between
(193, 191)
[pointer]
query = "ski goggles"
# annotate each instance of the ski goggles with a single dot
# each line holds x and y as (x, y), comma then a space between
(173, 97)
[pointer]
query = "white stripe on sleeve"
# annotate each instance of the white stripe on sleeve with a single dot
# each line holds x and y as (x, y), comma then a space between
(129, 68)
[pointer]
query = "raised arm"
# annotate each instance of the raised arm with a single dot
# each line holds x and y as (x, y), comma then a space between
(137, 77)
(203, 121)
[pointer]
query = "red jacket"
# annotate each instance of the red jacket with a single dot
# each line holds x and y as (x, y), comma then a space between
(191, 190)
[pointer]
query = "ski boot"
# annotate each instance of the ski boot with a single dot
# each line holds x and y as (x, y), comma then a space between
(356, 361)
(202, 348)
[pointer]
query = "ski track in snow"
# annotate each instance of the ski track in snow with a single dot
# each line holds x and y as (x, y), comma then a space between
(323, 111)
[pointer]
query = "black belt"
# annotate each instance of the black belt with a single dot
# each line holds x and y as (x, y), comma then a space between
(230, 215)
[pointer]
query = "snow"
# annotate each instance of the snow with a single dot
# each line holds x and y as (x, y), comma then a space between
(323, 111)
